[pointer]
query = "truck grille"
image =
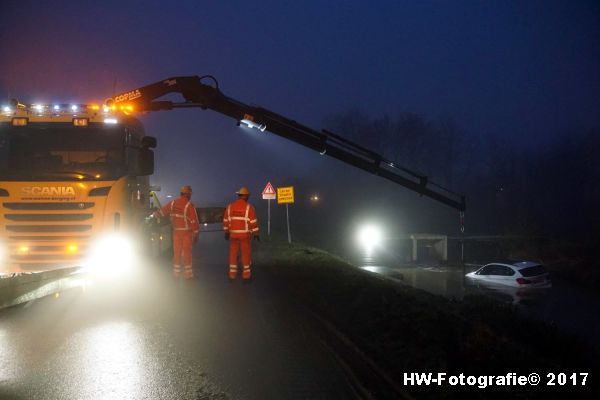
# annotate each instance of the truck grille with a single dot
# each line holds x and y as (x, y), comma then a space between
(49, 238)
(48, 217)
(48, 228)
(48, 206)
(38, 239)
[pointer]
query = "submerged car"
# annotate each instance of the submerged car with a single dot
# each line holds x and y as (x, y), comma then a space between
(519, 274)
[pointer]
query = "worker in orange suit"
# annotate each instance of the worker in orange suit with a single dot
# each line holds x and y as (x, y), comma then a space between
(186, 229)
(240, 225)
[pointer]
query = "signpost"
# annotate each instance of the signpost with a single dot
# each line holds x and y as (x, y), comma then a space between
(285, 195)
(462, 234)
(269, 194)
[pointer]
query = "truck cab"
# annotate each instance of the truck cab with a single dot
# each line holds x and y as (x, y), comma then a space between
(71, 176)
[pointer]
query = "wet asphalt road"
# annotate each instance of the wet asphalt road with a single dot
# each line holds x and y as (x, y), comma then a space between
(155, 338)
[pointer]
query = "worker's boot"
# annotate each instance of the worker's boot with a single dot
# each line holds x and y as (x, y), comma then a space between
(176, 271)
(189, 274)
(232, 272)
(246, 274)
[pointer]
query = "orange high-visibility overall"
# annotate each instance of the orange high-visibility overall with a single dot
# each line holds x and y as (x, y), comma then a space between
(241, 224)
(185, 224)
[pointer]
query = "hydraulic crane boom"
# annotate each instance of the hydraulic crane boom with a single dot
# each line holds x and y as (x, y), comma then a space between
(205, 96)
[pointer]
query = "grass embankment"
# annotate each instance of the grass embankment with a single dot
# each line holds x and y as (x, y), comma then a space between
(404, 329)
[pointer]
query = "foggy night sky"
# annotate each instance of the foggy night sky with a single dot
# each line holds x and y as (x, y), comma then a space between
(528, 70)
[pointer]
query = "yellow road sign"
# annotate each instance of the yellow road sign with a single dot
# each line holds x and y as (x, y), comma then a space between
(285, 195)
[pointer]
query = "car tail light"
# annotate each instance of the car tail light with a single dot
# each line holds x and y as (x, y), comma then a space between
(523, 281)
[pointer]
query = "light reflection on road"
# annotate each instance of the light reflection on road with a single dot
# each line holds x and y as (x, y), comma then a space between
(110, 362)
(101, 341)
(9, 360)
(155, 338)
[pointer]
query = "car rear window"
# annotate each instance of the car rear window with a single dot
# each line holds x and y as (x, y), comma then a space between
(533, 271)
(494, 269)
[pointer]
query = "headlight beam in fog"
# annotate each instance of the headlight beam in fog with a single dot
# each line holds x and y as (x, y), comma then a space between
(369, 236)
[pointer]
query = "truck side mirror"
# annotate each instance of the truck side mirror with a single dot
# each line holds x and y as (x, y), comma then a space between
(145, 162)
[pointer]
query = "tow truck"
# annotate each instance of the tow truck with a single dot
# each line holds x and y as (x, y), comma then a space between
(74, 178)
(74, 185)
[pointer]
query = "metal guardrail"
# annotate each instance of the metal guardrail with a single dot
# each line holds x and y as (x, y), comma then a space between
(23, 287)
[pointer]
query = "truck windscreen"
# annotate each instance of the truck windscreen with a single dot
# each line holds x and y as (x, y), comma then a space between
(61, 151)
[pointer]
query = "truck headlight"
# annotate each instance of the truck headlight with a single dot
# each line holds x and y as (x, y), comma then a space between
(112, 254)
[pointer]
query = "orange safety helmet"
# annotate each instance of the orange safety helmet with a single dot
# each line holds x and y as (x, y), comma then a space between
(187, 189)
(243, 191)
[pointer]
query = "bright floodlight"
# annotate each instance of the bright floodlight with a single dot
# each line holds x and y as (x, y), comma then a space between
(370, 236)
(251, 124)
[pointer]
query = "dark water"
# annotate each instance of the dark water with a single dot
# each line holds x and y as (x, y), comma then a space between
(573, 309)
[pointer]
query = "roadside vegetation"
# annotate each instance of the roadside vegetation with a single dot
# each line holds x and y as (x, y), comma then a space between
(404, 329)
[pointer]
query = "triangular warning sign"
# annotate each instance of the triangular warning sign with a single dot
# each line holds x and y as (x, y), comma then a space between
(269, 192)
(269, 189)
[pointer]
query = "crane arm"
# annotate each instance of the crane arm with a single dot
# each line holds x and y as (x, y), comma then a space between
(205, 96)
